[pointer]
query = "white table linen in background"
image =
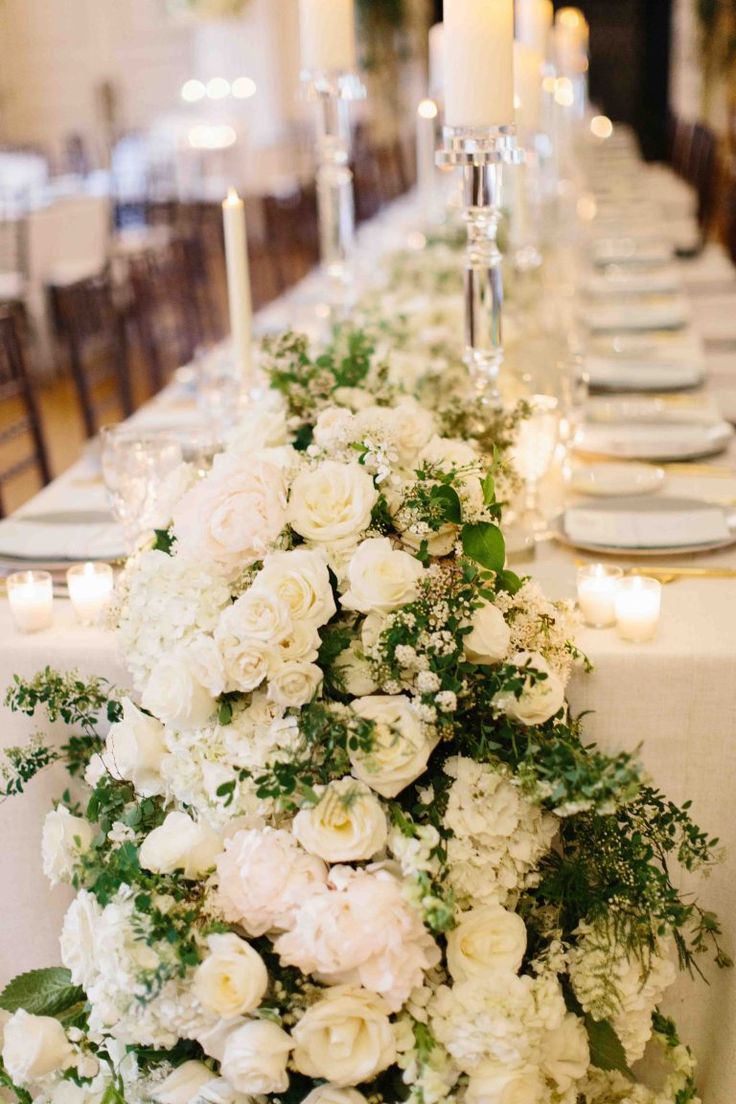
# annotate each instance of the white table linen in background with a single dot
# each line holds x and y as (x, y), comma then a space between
(674, 697)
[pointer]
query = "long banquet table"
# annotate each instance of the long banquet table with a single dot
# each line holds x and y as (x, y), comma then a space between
(675, 698)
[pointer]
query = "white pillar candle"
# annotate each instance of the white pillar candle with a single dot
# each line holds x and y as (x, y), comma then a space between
(437, 61)
(426, 122)
(479, 63)
(238, 283)
(597, 589)
(528, 87)
(572, 38)
(638, 606)
(90, 590)
(31, 598)
(327, 31)
(534, 23)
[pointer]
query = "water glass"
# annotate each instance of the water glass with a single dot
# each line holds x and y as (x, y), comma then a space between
(135, 465)
(533, 451)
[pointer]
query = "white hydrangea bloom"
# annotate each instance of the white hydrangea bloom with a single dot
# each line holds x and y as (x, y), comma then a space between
(498, 835)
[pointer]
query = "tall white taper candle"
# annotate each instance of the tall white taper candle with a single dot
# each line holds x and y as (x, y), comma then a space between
(238, 283)
(479, 65)
(437, 61)
(534, 23)
(528, 87)
(327, 30)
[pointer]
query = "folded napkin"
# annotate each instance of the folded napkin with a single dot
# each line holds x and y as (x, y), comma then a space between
(616, 373)
(617, 281)
(639, 529)
(26, 538)
(650, 441)
(670, 312)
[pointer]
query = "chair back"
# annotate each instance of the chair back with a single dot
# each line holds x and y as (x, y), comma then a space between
(22, 445)
(98, 352)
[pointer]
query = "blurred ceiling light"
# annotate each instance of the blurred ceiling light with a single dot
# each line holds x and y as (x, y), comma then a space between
(193, 90)
(218, 88)
(601, 126)
(427, 109)
(564, 93)
(212, 137)
(243, 88)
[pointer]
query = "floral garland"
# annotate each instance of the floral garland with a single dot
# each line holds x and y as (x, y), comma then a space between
(350, 846)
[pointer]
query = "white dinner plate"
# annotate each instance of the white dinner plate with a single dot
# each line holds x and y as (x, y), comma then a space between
(625, 282)
(626, 515)
(655, 442)
(631, 374)
(631, 251)
(609, 480)
(689, 409)
(660, 313)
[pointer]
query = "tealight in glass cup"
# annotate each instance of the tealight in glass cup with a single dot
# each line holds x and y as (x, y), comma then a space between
(90, 590)
(597, 587)
(31, 600)
(638, 606)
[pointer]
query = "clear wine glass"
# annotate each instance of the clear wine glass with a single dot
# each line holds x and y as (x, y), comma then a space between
(532, 453)
(135, 464)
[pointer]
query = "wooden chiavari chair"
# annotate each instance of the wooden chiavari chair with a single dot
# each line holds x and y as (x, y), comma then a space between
(95, 333)
(22, 445)
(291, 232)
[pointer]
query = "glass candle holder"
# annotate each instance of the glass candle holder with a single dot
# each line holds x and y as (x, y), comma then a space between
(597, 586)
(31, 600)
(638, 606)
(90, 590)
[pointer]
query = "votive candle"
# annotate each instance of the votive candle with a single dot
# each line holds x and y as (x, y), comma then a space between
(479, 63)
(638, 607)
(31, 599)
(597, 588)
(90, 590)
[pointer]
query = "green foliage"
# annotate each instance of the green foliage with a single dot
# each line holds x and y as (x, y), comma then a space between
(48, 992)
(22, 764)
(6, 1082)
(485, 544)
(606, 1051)
(164, 541)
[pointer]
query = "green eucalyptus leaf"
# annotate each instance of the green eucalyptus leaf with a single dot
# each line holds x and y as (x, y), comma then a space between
(449, 500)
(489, 488)
(42, 992)
(484, 543)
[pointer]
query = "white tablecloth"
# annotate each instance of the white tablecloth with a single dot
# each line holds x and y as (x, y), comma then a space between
(676, 697)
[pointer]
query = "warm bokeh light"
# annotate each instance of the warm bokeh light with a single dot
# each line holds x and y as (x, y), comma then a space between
(587, 207)
(243, 88)
(601, 126)
(192, 91)
(218, 88)
(427, 109)
(571, 17)
(549, 84)
(212, 137)
(564, 92)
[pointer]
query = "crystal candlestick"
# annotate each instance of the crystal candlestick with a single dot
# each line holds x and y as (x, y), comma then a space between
(481, 153)
(331, 94)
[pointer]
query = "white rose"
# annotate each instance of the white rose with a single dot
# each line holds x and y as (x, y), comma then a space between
(63, 840)
(174, 693)
(263, 876)
(354, 671)
(565, 1053)
(206, 664)
(255, 1058)
(331, 503)
(381, 578)
(539, 700)
(236, 513)
(184, 1085)
(493, 1083)
(180, 844)
(371, 630)
(414, 427)
(332, 1094)
(232, 979)
(264, 426)
(345, 1038)
(294, 683)
(401, 747)
(347, 825)
(134, 750)
(301, 643)
(490, 637)
(79, 941)
(334, 426)
(448, 453)
(34, 1046)
(301, 581)
(259, 615)
(213, 1038)
(245, 658)
(486, 940)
